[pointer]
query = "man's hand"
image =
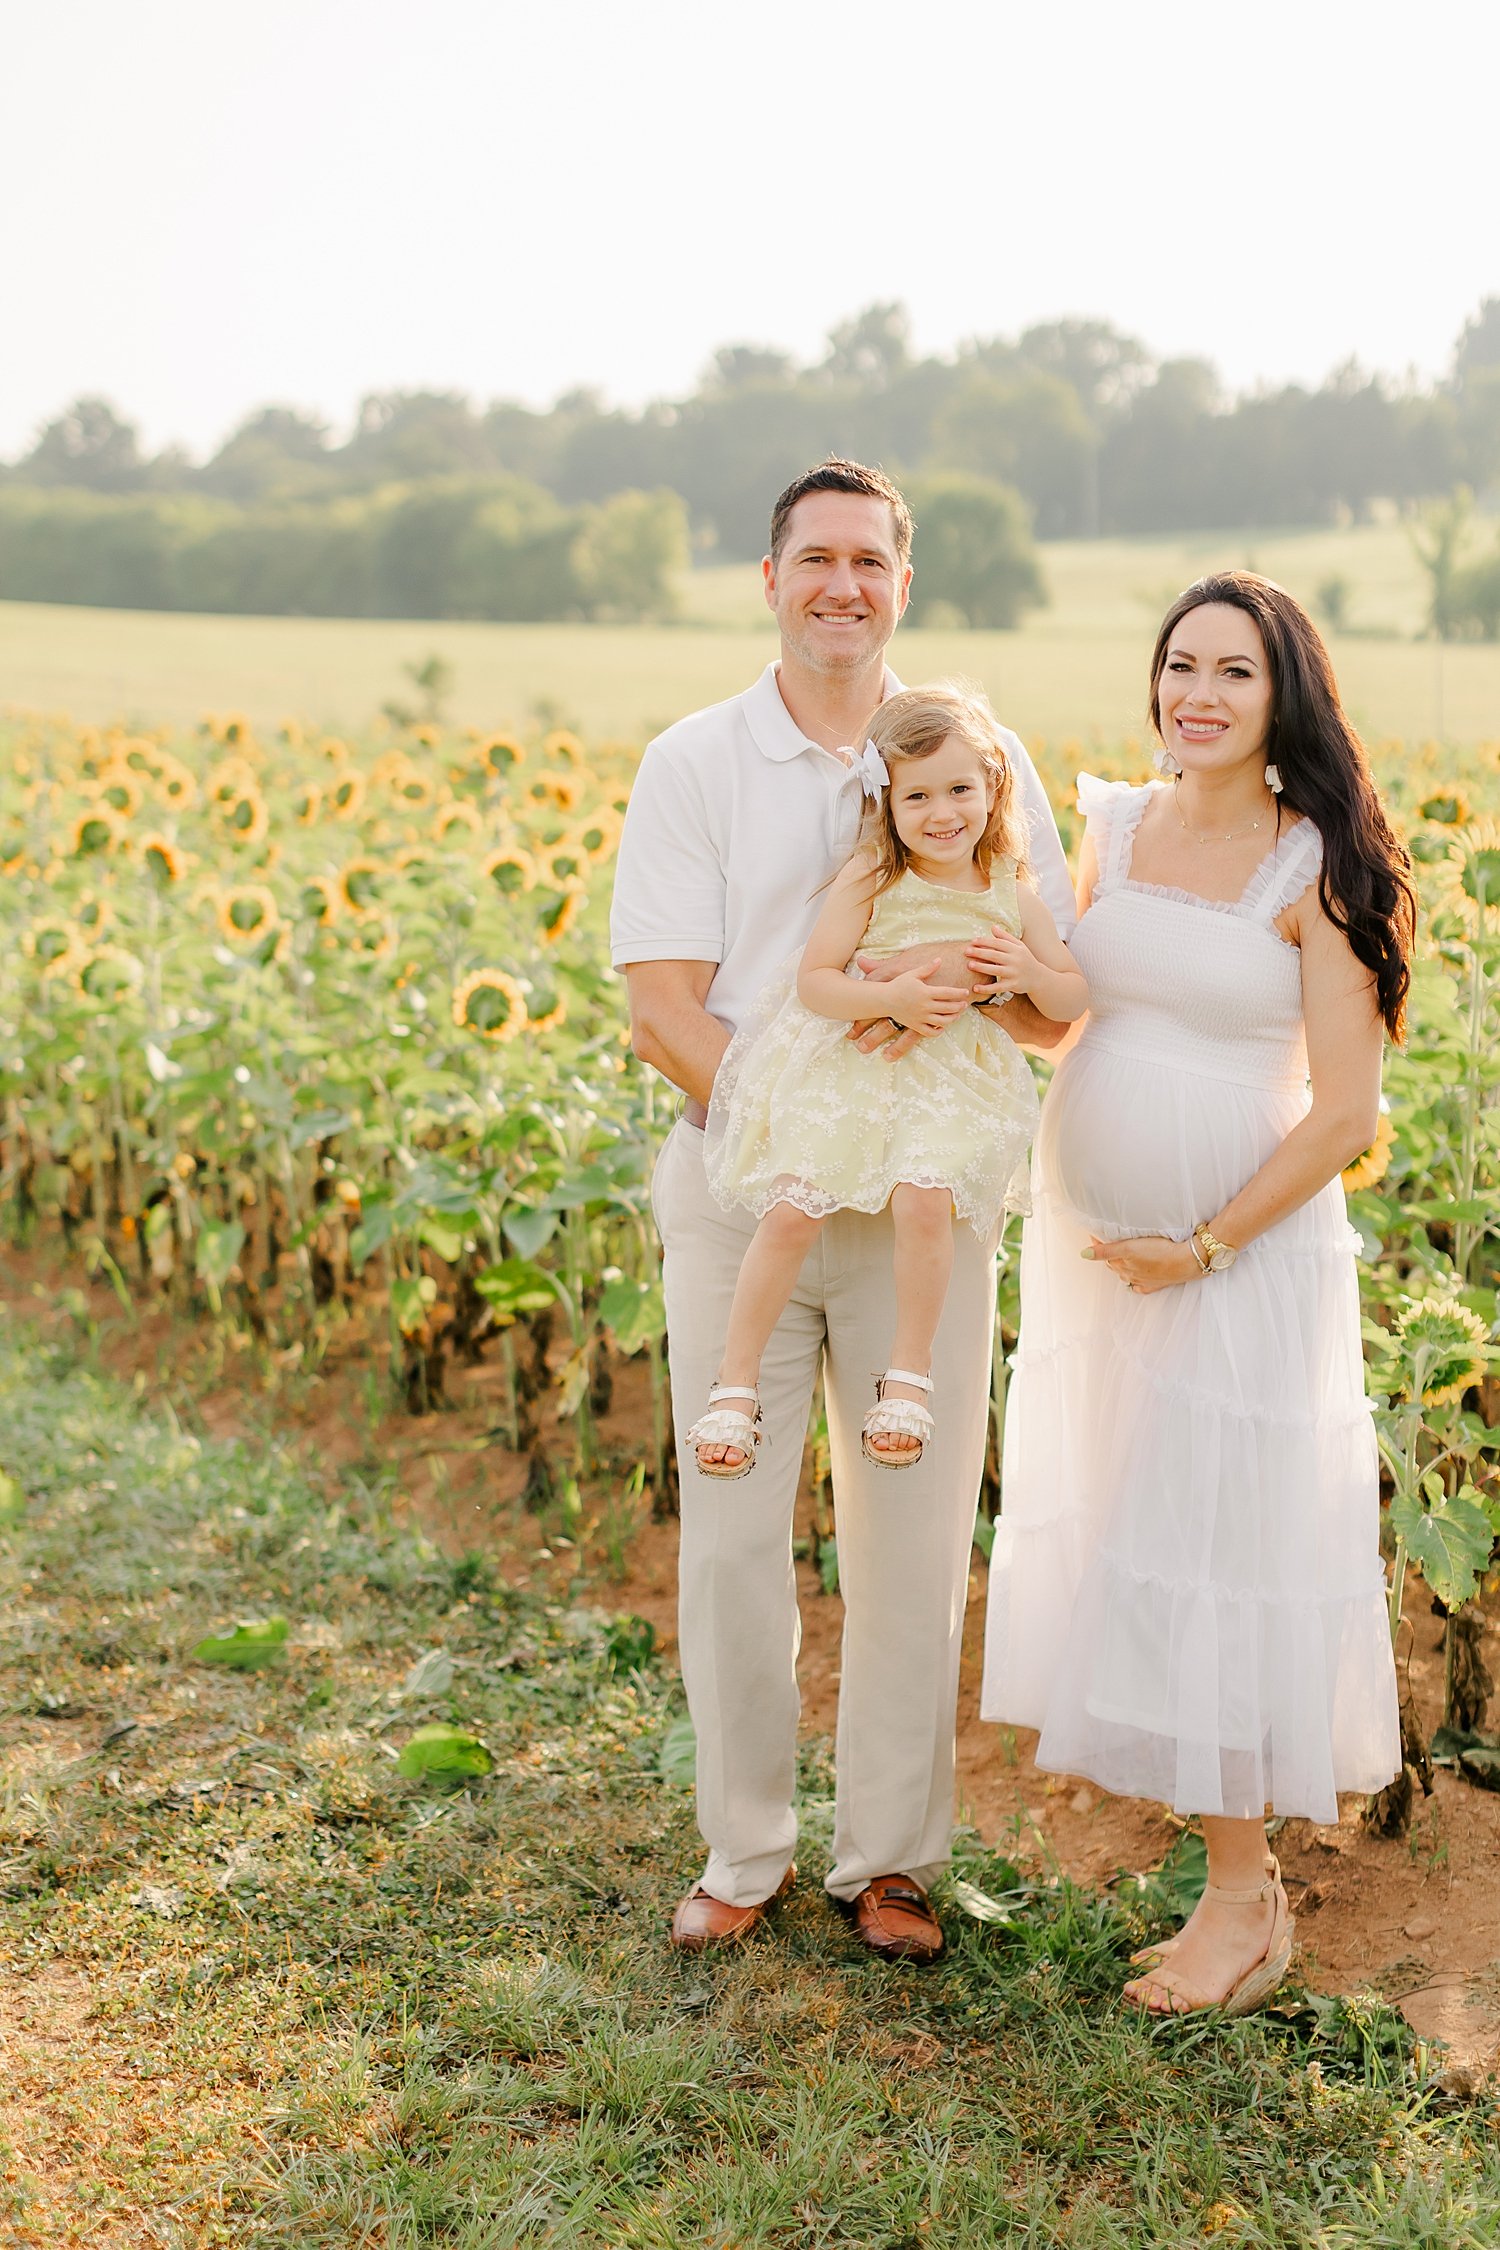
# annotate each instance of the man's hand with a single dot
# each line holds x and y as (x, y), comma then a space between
(959, 983)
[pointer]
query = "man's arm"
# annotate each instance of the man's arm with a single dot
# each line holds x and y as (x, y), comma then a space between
(670, 1027)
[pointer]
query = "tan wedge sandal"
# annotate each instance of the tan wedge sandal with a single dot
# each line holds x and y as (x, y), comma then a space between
(1264, 1977)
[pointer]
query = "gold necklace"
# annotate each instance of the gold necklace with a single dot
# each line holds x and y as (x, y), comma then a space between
(1214, 836)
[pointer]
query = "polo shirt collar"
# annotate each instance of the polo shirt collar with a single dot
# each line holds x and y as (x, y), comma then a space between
(776, 733)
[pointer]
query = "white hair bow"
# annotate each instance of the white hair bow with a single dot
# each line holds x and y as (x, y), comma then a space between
(874, 774)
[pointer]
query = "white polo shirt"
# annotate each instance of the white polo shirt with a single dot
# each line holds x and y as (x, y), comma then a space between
(735, 825)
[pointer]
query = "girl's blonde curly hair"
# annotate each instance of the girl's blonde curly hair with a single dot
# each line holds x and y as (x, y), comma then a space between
(912, 725)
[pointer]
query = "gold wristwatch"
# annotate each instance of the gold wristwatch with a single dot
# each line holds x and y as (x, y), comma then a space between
(1213, 1255)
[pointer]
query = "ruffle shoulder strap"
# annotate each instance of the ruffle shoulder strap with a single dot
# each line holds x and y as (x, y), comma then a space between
(1112, 812)
(1287, 872)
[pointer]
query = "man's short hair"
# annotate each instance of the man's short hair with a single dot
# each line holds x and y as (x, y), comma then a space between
(834, 475)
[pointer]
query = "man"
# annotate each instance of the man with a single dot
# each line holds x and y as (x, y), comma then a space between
(739, 816)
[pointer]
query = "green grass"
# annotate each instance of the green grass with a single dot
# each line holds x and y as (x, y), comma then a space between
(1075, 671)
(325, 2006)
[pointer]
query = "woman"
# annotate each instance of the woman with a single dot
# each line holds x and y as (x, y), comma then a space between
(1187, 1596)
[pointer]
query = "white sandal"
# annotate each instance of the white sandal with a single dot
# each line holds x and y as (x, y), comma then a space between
(726, 1425)
(897, 1417)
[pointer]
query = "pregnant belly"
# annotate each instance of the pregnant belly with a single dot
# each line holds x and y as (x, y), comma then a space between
(1129, 1147)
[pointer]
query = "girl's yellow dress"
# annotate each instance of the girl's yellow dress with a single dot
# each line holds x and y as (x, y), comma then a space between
(800, 1116)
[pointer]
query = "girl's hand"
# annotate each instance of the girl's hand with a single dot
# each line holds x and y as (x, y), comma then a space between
(1147, 1262)
(1007, 959)
(919, 1005)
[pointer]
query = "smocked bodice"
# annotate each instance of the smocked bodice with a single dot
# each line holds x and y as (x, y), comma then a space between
(916, 912)
(1190, 983)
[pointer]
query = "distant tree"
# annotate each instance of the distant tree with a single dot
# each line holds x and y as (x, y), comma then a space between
(87, 445)
(1025, 429)
(1478, 345)
(734, 366)
(1439, 541)
(871, 349)
(630, 553)
(1331, 597)
(1474, 598)
(973, 552)
(1477, 428)
(404, 436)
(1105, 367)
(276, 453)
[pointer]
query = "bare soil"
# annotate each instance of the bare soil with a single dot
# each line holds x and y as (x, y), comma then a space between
(1416, 1921)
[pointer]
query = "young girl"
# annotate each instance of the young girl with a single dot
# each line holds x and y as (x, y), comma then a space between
(802, 1124)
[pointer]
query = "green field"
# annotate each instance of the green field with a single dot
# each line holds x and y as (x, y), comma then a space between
(1074, 671)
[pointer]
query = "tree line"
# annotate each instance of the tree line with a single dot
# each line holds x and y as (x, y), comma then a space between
(433, 505)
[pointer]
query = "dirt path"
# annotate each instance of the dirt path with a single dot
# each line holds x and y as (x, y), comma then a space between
(1416, 1921)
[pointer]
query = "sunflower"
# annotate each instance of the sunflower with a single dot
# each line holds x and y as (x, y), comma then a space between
(491, 1003)
(51, 943)
(1371, 1164)
(412, 788)
(560, 913)
(563, 746)
(417, 860)
(500, 754)
(290, 732)
(567, 862)
(307, 803)
(108, 973)
(97, 830)
(556, 1015)
(599, 834)
(244, 816)
(360, 885)
(162, 860)
(93, 915)
(1446, 1345)
(229, 779)
(428, 735)
(1476, 852)
(347, 794)
(458, 813)
(558, 789)
(120, 790)
(334, 750)
(387, 767)
(320, 899)
(247, 912)
(175, 782)
(375, 936)
(510, 870)
(1449, 807)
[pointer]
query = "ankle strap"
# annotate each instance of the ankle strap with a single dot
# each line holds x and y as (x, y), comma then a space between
(1241, 1898)
(731, 1390)
(905, 1375)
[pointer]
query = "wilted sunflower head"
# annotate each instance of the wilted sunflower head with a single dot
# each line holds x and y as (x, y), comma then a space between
(491, 1003)
(1446, 1347)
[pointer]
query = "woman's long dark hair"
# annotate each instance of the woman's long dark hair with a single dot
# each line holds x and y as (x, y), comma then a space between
(1364, 885)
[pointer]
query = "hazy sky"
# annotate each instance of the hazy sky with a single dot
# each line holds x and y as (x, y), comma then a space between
(212, 205)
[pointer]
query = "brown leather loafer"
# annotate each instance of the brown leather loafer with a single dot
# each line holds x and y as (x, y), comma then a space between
(703, 1920)
(893, 1918)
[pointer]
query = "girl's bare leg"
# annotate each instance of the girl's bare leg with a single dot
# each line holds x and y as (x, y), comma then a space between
(1219, 1942)
(768, 1275)
(923, 1222)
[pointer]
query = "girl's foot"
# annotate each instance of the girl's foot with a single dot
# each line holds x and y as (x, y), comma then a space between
(898, 1425)
(1232, 1953)
(726, 1438)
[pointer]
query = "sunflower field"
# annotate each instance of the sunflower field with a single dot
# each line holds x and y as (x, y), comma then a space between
(315, 1042)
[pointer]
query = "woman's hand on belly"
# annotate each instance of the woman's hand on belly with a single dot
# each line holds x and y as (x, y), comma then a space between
(1147, 1262)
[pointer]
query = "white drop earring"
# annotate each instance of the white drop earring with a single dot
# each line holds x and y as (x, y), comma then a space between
(1164, 762)
(1273, 780)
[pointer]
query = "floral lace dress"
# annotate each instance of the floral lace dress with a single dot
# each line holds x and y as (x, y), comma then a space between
(1186, 1592)
(800, 1116)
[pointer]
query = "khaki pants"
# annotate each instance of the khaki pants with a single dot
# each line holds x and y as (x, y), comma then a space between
(904, 1544)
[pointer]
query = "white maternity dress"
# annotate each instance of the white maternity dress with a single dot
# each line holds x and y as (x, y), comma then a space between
(1187, 1597)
